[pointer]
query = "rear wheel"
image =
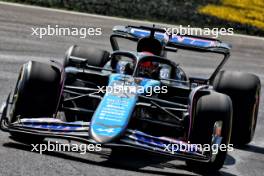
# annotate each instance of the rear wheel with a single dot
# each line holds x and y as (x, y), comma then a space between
(36, 94)
(76, 55)
(244, 90)
(212, 121)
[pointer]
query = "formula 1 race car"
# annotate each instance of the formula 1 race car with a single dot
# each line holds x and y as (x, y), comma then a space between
(140, 99)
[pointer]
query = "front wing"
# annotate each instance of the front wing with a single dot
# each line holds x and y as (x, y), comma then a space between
(78, 131)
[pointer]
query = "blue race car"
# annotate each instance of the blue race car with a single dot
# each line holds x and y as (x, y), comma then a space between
(140, 99)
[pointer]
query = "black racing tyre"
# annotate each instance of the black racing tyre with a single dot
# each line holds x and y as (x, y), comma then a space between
(244, 91)
(36, 94)
(212, 109)
(37, 91)
(92, 56)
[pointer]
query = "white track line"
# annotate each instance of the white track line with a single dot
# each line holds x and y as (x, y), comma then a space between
(107, 17)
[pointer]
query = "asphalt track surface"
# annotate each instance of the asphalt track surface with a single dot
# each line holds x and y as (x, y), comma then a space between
(17, 46)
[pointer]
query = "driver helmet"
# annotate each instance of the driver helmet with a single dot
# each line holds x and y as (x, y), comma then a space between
(149, 69)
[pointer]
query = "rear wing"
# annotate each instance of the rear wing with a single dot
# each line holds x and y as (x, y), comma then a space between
(174, 41)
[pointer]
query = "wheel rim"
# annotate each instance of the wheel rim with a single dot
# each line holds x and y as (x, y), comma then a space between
(16, 94)
(216, 137)
(255, 114)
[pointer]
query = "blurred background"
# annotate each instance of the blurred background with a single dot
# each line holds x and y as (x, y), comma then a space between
(245, 16)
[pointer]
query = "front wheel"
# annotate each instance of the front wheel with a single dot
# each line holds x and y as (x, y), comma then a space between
(36, 94)
(212, 128)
